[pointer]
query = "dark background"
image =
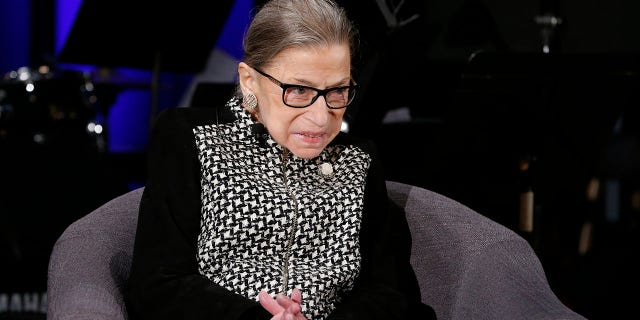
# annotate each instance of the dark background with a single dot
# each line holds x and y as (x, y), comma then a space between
(478, 95)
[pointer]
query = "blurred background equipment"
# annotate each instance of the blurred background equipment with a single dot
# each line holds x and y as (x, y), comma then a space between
(52, 169)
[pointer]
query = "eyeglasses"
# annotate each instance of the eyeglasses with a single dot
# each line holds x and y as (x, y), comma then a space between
(299, 96)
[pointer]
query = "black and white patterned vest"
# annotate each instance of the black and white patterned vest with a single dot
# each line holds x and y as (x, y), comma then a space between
(273, 221)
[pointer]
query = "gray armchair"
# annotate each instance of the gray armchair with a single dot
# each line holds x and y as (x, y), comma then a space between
(469, 267)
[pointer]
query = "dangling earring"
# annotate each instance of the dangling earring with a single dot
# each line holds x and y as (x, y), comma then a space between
(250, 101)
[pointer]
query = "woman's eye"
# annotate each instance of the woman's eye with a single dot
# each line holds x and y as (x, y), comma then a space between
(299, 90)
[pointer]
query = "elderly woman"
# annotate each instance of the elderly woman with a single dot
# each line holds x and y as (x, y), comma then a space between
(263, 208)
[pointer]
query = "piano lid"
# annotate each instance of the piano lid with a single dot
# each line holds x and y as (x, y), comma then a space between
(173, 36)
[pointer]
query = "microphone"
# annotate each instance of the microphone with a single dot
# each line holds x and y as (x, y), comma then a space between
(261, 133)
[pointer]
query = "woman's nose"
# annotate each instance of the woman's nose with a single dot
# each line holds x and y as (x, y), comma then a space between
(318, 112)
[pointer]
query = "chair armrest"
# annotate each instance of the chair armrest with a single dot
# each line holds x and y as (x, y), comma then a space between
(90, 262)
(470, 267)
(85, 282)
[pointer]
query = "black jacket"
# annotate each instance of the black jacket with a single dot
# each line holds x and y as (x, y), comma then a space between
(212, 181)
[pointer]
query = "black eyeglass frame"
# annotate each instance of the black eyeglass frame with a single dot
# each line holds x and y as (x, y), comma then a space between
(319, 92)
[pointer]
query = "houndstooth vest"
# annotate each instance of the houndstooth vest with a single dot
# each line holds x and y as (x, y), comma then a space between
(272, 221)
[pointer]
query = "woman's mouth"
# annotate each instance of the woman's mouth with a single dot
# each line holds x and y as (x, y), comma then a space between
(311, 137)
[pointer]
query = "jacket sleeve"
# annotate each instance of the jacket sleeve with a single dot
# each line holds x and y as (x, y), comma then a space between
(386, 287)
(164, 281)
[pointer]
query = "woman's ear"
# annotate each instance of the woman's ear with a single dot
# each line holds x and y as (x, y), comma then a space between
(245, 77)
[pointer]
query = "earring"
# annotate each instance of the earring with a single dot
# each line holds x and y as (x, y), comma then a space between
(250, 101)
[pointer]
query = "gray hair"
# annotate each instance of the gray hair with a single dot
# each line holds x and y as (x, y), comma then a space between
(283, 24)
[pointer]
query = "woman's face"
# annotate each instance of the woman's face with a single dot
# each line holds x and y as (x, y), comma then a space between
(304, 131)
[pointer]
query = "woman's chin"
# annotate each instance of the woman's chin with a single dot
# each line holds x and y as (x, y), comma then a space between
(306, 152)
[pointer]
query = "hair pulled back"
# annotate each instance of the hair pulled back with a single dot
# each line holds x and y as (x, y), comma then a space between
(283, 24)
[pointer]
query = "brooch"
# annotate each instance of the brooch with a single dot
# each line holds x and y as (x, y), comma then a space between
(326, 169)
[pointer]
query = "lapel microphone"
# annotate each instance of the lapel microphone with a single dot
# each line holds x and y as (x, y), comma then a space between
(261, 133)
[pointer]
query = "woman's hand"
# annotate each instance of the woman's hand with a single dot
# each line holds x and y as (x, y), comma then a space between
(283, 307)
